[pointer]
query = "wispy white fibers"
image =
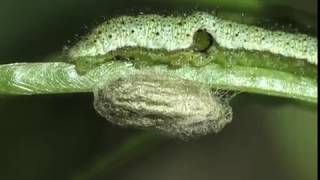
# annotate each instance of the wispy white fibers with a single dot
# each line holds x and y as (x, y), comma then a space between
(171, 105)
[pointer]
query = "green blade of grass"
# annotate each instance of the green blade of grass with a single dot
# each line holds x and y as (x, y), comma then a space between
(58, 77)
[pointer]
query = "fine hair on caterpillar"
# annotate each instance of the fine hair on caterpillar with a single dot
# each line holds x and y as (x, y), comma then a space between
(173, 106)
(176, 32)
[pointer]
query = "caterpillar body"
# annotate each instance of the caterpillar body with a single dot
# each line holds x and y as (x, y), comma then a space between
(175, 106)
(176, 32)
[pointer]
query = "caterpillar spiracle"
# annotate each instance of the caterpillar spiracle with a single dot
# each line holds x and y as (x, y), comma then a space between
(176, 32)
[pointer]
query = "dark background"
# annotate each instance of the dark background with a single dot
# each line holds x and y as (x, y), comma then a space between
(51, 137)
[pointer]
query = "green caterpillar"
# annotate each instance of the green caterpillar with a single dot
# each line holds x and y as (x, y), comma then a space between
(176, 33)
(170, 104)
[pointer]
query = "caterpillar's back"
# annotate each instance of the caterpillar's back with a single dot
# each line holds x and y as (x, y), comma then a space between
(176, 32)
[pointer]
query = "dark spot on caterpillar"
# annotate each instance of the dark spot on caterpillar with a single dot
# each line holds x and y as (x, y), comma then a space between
(120, 58)
(132, 31)
(202, 40)
(110, 36)
(157, 33)
(131, 58)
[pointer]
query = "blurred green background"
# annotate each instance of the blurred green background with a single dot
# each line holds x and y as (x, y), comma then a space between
(57, 137)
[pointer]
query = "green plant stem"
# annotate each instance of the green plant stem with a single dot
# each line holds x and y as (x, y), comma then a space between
(58, 77)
